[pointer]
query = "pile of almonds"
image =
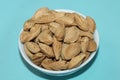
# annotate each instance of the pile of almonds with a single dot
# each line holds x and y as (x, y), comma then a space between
(58, 40)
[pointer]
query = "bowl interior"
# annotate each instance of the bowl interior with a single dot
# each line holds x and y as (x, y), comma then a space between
(64, 72)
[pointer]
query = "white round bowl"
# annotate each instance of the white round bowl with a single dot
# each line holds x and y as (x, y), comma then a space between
(64, 72)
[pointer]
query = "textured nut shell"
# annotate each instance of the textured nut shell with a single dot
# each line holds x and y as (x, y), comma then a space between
(37, 55)
(87, 56)
(63, 52)
(71, 34)
(46, 18)
(71, 50)
(71, 15)
(59, 65)
(45, 37)
(65, 20)
(44, 27)
(79, 39)
(40, 12)
(91, 24)
(46, 50)
(33, 47)
(84, 44)
(92, 46)
(35, 28)
(28, 24)
(57, 29)
(46, 63)
(81, 22)
(27, 36)
(57, 46)
(28, 53)
(57, 14)
(34, 32)
(75, 61)
(86, 34)
(38, 60)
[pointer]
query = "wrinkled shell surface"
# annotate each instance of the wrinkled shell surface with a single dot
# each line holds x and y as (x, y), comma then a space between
(75, 61)
(71, 50)
(92, 46)
(45, 37)
(46, 49)
(84, 44)
(33, 47)
(91, 24)
(57, 29)
(57, 46)
(71, 34)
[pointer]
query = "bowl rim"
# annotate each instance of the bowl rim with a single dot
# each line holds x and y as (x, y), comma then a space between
(26, 58)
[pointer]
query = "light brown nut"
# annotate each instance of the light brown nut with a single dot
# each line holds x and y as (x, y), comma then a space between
(44, 27)
(92, 46)
(38, 60)
(49, 17)
(57, 29)
(86, 34)
(71, 15)
(71, 34)
(79, 39)
(28, 25)
(35, 31)
(71, 50)
(84, 44)
(36, 39)
(66, 20)
(37, 55)
(46, 18)
(28, 53)
(81, 22)
(76, 61)
(25, 36)
(40, 12)
(46, 63)
(57, 14)
(91, 24)
(63, 52)
(47, 50)
(35, 28)
(33, 47)
(57, 46)
(28, 36)
(87, 56)
(59, 65)
(40, 28)
(45, 37)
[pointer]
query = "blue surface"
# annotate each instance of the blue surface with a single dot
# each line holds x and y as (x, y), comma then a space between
(105, 66)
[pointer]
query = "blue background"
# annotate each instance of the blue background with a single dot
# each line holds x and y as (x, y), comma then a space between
(106, 64)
